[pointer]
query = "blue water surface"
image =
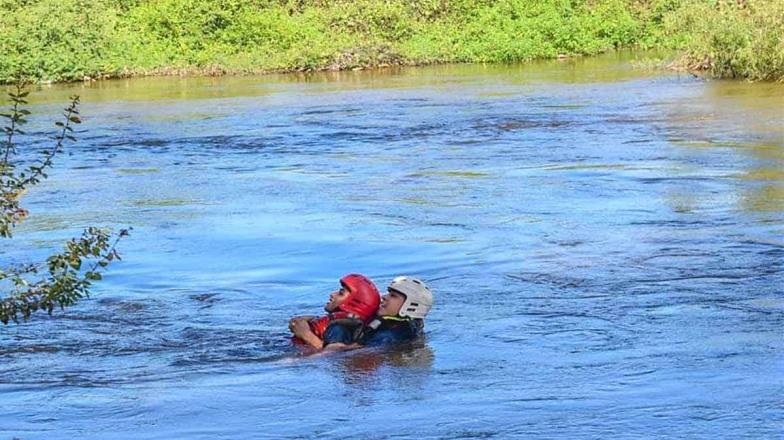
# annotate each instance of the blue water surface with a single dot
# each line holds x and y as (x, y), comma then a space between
(605, 245)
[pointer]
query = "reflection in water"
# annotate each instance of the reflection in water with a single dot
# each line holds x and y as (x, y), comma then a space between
(360, 366)
(765, 198)
(486, 80)
(765, 174)
(733, 126)
(404, 369)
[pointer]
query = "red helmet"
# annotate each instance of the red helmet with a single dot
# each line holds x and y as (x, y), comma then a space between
(363, 298)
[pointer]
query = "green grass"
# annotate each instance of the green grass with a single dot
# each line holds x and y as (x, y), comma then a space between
(73, 39)
(731, 39)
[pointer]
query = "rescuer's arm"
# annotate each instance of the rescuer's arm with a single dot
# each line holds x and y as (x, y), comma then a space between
(341, 336)
(303, 317)
(300, 327)
(339, 346)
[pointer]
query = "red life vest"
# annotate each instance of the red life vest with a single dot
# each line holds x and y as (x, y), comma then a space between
(319, 325)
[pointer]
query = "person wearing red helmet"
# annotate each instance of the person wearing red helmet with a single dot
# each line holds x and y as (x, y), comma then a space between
(353, 306)
(400, 318)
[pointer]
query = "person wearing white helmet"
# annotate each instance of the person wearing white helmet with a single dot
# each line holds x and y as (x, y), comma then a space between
(400, 317)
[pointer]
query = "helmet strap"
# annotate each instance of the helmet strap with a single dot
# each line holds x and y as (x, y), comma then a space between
(396, 318)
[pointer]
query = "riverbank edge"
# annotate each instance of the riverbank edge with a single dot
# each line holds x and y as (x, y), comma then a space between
(671, 64)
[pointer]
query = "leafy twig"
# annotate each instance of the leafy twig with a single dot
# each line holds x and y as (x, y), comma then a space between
(66, 281)
(71, 114)
(16, 117)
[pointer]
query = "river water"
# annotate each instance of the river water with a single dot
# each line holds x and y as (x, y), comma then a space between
(605, 244)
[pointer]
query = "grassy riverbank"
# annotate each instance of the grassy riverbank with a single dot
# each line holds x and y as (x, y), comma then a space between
(730, 39)
(60, 40)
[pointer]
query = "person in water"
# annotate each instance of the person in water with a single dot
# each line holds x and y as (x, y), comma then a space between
(352, 306)
(400, 318)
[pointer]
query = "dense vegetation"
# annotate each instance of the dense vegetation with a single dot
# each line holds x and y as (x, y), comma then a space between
(735, 39)
(72, 39)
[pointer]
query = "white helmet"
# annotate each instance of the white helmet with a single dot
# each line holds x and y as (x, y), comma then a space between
(419, 299)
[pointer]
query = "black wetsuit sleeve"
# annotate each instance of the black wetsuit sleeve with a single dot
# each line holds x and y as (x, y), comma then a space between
(338, 333)
(410, 331)
(391, 332)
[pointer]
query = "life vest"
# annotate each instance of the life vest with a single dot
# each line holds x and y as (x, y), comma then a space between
(319, 325)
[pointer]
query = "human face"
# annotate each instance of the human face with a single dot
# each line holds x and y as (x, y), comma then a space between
(391, 303)
(335, 299)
